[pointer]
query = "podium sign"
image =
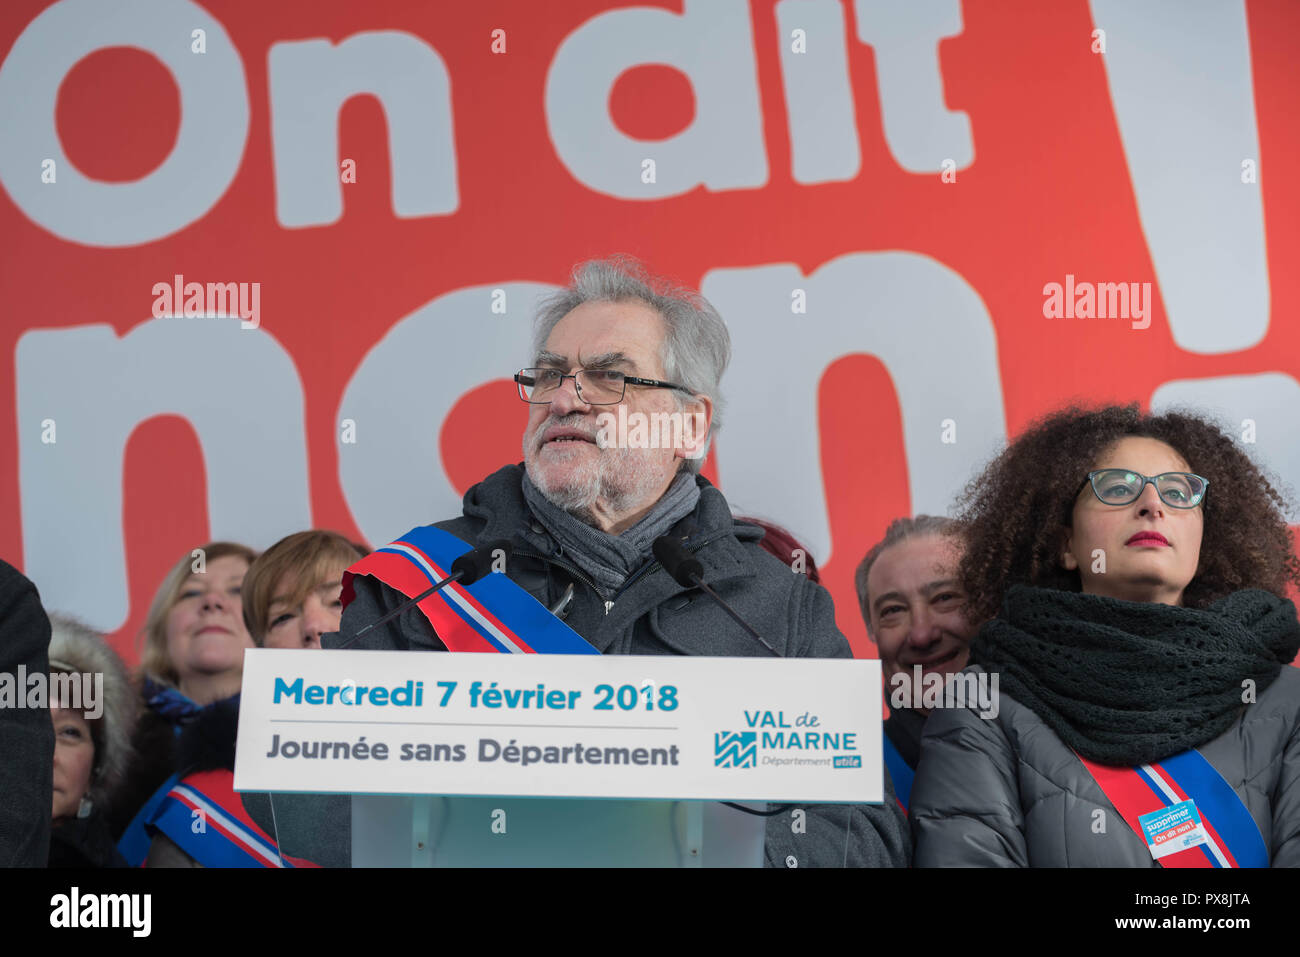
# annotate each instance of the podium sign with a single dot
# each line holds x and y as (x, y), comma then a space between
(594, 726)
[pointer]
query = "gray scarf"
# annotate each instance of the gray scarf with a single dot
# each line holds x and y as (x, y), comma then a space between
(611, 559)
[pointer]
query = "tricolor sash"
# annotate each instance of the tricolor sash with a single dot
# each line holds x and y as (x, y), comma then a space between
(493, 614)
(228, 837)
(1232, 837)
(134, 843)
(900, 772)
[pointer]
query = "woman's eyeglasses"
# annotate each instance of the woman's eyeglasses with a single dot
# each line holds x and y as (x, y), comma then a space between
(1123, 486)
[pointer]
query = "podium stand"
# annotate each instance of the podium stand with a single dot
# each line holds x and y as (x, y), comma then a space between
(386, 759)
(441, 831)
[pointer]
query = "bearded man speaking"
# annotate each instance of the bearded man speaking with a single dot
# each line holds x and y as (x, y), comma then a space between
(584, 509)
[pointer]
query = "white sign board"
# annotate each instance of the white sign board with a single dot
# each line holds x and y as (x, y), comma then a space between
(618, 726)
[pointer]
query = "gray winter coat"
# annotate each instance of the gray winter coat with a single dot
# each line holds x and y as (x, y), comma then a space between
(653, 615)
(1006, 792)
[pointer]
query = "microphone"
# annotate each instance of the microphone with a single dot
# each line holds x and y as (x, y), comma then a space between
(686, 569)
(477, 562)
(466, 569)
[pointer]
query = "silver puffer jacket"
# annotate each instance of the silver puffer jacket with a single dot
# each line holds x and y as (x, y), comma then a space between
(1006, 791)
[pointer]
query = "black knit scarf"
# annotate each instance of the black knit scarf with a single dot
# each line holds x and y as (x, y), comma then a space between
(1127, 683)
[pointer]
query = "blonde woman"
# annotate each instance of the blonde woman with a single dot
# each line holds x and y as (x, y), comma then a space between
(192, 660)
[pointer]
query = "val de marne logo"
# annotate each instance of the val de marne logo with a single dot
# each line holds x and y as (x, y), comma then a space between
(735, 749)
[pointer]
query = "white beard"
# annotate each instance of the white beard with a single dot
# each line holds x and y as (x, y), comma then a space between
(618, 480)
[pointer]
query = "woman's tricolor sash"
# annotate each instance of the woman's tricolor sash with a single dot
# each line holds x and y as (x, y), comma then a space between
(1232, 838)
(493, 614)
(134, 843)
(204, 816)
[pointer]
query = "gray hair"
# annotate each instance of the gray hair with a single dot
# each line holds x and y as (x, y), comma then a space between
(697, 346)
(77, 648)
(900, 530)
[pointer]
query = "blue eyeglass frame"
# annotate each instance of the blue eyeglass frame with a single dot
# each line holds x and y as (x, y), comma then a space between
(1146, 480)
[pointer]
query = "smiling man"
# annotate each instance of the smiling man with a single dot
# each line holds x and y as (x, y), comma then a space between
(915, 612)
(582, 514)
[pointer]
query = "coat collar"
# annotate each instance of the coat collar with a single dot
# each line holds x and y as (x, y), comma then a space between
(499, 502)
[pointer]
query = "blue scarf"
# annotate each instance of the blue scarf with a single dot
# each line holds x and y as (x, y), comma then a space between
(169, 703)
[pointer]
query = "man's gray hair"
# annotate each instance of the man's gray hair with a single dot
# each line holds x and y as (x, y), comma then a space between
(697, 346)
(899, 530)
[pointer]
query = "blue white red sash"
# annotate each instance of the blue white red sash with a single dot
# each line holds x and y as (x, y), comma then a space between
(900, 772)
(1233, 839)
(493, 614)
(134, 843)
(204, 816)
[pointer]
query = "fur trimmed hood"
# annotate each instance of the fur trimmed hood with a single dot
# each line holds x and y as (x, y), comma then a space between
(77, 648)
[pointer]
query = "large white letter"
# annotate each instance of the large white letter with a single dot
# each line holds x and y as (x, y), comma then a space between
(1184, 100)
(920, 131)
(214, 121)
(310, 80)
(238, 389)
(712, 42)
(919, 317)
(393, 476)
(818, 95)
(1269, 400)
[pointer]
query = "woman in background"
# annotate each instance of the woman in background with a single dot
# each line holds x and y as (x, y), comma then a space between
(92, 744)
(191, 668)
(292, 591)
(287, 598)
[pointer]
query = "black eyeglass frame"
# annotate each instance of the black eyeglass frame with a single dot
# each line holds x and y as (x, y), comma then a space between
(627, 380)
(1146, 480)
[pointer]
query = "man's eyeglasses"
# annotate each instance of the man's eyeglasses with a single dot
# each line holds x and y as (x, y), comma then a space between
(594, 386)
(1122, 487)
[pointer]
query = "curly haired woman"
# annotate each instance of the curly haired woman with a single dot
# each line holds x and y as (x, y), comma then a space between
(1133, 568)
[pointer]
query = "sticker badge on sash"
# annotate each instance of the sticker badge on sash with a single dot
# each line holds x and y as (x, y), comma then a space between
(1172, 829)
(492, 615)
(1184, 810)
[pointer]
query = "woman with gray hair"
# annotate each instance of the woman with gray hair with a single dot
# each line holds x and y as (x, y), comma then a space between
(93, 708)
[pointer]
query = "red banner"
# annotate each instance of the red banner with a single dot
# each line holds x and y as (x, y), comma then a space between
(924, 228)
